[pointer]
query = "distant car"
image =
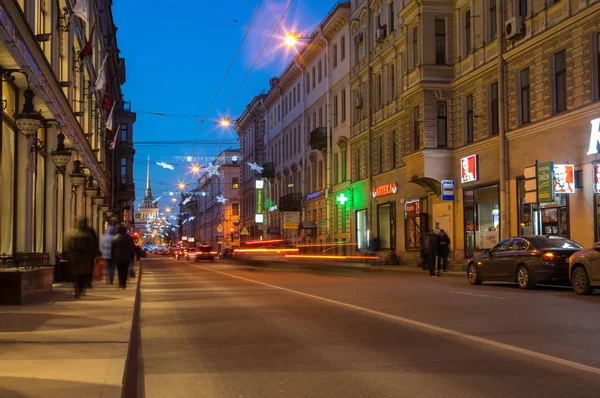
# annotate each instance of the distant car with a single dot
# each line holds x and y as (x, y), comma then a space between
(584, 270)
(226, 253)
(205, 252)
(526, 260)
(178, 253)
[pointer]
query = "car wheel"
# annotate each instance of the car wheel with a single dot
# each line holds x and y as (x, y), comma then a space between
(581, 281)
(473, 275)
(524, 278)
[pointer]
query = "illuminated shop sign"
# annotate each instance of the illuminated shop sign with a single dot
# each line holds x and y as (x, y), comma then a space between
(564, 178)
(594, 137)
(314, 195)
(468, 169)
(597, 178)
(385, 189)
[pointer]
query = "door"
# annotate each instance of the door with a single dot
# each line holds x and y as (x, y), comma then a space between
(515, 254)
(494, 264)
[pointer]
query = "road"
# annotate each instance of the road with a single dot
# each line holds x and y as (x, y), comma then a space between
(223, 329)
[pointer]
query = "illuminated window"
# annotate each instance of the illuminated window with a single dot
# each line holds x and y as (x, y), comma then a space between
(235, 183)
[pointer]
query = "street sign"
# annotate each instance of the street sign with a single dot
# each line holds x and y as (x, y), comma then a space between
(530, 174)
(220, 228)
(245, 231)
(545, 187)
(291, 219)
(447, 190)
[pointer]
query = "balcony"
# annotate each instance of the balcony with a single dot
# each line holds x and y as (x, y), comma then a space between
(268, 170)
(291, 202)
(318, 139)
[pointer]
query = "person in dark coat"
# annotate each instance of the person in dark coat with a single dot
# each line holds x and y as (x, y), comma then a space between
(122, 253)
(443, 251)
(432, 252)
(82, 248)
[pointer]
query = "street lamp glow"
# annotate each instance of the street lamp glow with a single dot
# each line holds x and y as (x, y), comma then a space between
(225, 122)
(291, 40)
(195, 168)
(181, 185)
(168, 209)
(173, 200)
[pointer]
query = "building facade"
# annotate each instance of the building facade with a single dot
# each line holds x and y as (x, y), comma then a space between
(52, 62)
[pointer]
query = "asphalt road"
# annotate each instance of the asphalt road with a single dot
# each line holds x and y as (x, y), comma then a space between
(222, 329)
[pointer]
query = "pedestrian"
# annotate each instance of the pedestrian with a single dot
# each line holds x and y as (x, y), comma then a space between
(425, 251)
(432, 252)
(443, 251)
(90, 275)
(107, 239)
(122, 253)
(82, 248)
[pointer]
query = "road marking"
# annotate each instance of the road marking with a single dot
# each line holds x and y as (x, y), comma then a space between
(423, 325)
(343, 277)
(479, 295)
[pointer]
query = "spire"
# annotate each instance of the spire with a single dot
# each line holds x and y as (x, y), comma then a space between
(148, 189)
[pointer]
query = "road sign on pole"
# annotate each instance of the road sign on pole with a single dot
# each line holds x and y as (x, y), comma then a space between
(245, 231)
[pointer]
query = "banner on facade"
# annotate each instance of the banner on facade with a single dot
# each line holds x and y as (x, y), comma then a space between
(564, 178)
(545, 185)
(291, 219)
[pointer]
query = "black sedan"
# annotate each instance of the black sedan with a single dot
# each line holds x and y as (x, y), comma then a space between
(526, 260)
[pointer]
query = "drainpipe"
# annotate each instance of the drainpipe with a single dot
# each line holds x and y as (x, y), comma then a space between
(504, 221)
(369, 123)
(329, 135)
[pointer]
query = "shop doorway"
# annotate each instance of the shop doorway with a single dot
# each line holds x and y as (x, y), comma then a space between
(544, 218)
(482, 218)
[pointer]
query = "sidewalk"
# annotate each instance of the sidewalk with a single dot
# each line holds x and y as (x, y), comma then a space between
(61, 347)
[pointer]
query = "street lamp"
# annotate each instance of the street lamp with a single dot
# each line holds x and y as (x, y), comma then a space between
(98, 199)
(291, 39)
(90, 190)
(225, 122)
(61, 156)
(195, 169)
(77, 177)
(181, 185)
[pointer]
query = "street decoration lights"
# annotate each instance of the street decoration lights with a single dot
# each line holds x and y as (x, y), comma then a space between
(225, 122)
(181, 186)
(291, 39)
(195, 169)
(77, 177)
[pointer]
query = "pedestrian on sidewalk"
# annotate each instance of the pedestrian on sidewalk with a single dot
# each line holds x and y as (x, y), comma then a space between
(82, 248)
(432, 252)
(443, 251)
(107, 239)
(122, 253)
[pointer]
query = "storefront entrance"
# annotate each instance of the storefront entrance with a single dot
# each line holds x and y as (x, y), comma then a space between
(482, 218)
(550, 218)
(386, 225)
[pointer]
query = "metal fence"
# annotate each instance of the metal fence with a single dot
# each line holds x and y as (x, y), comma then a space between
(24, 260)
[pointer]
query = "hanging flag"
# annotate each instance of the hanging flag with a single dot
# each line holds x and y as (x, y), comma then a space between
(109, 120)
(87, 49)
(107, 100)
(113, 140)
(101, 81)
(81, 10)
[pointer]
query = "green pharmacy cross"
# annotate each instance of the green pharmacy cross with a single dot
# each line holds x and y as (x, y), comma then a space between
(342, 199)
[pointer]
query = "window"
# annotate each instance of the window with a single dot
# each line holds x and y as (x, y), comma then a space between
(560, 81)
(294, 97)
(391, 16)
(415, 47)
(379, 88)
(235, 182)
(598, 65)
(394, 149)
(298, 93)
(335, 111)
(314, 77)
(440, 42)
(343, 165)
(235, 209)
(124, 138)
(342, 48)
(442, 123)
(307, 82)
(416, 133)
(524, 98)
(320, 70)
(492, 22)
(467, 32)
(343, 118)
(380, 157)
(334, 55)
(494, 109)
(336, 168)
(320, 117)
(392, 82)
(469, 121)
(123, 170)
(362, 228)
(523, 8)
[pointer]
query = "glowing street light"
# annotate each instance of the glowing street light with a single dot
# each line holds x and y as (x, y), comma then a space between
(291, 40)
(181, 185)
(225, 122)
(168, 209)
(173, 200)
(195, 169)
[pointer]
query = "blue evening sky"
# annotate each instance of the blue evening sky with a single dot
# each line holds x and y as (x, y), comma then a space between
(177, 54)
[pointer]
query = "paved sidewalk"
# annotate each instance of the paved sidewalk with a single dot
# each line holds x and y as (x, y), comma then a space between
(61, 347)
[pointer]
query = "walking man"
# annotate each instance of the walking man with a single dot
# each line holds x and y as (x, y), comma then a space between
(443, 251)
(122, 253)
(433, 248)
(82, 248)
(107, 239)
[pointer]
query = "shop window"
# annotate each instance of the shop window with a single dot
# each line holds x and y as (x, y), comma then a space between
(482, 218)
(416, 223)
(386, 225)
(7, 179)
(362, 237)
(543, 218)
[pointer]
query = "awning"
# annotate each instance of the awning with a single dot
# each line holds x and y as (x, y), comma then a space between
(274, 230)
(308, 225)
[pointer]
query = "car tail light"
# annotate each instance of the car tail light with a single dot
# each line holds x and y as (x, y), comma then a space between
(548, 256)
(213, 252)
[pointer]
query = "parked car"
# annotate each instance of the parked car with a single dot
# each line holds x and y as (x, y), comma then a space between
(584, 270)
(226, 253)
(205, 252)
(525, 260)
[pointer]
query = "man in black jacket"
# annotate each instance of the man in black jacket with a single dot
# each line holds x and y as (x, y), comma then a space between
(443, 251)
(122, 253)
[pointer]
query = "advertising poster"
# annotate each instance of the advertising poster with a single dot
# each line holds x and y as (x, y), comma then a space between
(544, 182)
(564, 178)
(597, 178)
(468, 169)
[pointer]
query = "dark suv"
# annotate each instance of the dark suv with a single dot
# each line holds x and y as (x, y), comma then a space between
(205, 252)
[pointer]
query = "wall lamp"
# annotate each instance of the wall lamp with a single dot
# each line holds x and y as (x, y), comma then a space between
(77, 176)
(28, 120)
(90, 189)
(62, 155)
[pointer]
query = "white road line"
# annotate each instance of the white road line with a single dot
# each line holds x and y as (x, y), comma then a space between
(343, 277)
(479, 295)
(423, 325)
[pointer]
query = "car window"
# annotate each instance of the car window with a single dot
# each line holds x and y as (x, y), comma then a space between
(519, 245)
(554, 242)
(502, 246)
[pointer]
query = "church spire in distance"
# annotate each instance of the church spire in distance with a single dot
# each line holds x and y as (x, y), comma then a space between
(148, 189)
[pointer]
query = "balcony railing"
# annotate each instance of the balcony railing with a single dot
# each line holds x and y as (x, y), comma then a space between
(24, 260)
(291, 202)
(318, 139)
